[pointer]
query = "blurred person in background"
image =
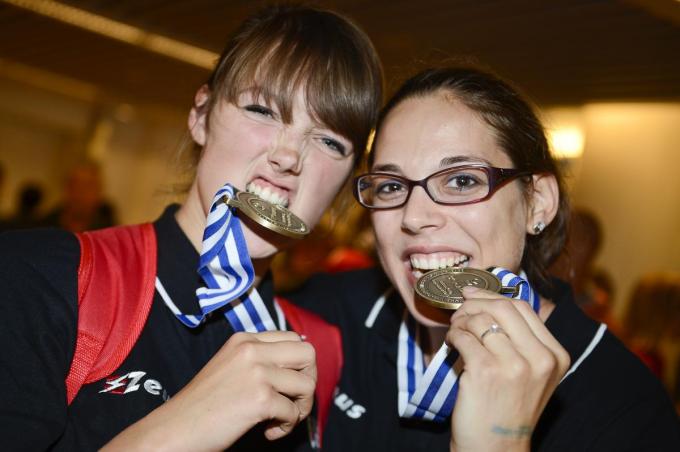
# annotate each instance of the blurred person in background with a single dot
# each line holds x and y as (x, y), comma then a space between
(593, 286)
(26, 214)
(652, 321)
(285, 113)
(83, 206)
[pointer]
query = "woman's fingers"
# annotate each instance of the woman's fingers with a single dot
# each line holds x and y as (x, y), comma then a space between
(296, 354)
(480, 327)
(507, 315)
(274, 336)
(292, 401)
(523, 326)
(286, 365)
(543, 334)
(297, 386)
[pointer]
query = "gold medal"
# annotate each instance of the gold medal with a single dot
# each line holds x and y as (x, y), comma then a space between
(443, 288)
(273, 217)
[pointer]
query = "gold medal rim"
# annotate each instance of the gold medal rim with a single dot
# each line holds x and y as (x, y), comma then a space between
(244, 206)
(455, 302)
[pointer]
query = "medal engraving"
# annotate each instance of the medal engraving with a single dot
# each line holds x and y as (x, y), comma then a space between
(443, 288)
(271, 216)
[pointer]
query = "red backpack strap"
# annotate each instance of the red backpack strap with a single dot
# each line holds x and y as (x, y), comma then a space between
(116, 280)
(327, 342)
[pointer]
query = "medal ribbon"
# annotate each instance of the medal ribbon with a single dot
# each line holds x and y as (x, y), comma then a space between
(228, 273)
(430, 393)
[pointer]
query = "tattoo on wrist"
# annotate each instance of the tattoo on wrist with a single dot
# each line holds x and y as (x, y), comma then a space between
(523, 431)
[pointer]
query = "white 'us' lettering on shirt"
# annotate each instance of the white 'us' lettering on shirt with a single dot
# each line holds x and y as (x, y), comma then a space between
(348, 406)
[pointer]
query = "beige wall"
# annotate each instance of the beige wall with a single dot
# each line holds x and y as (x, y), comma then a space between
(43, 133)
(629, 176)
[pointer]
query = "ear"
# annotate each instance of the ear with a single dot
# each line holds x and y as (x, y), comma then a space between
(544, 201)
(198, 116)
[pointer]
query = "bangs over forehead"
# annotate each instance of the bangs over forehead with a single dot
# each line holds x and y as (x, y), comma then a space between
(323, 54)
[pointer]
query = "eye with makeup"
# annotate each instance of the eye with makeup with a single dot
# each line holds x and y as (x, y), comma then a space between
(334, 146)
(463, 180)
(390, 189)
(260, 110)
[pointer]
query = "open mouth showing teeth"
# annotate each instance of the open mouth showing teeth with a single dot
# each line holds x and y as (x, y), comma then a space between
(270, 194)
(423, 263)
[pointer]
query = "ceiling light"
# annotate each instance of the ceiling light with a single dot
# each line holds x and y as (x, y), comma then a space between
(120, 31)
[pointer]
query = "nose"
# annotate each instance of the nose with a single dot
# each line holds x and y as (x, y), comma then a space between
(421, 213)
(286, 155)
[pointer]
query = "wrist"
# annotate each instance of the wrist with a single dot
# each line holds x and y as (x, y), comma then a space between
(498, 438)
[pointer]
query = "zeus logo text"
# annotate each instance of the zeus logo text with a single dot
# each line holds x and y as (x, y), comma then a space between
(351, 409)
(133, 381)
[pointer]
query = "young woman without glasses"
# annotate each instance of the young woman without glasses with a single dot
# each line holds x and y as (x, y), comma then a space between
(284, 114)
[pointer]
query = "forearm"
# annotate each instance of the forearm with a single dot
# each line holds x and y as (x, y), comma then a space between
(179, 426)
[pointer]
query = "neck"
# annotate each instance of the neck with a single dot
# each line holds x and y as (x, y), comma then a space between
(546, 309)
(191, 219)
(432, 340)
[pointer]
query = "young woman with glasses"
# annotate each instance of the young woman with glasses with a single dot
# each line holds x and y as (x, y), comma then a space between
(460, 182)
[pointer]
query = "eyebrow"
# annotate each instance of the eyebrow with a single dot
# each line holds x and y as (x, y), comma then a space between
(443, 163)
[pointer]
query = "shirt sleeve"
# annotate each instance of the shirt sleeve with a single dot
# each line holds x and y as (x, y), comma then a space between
(38, 327)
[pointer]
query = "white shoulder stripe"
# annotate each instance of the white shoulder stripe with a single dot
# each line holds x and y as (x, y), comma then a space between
(280, 316)
(166, 298)
(377, 307)
(589, 349)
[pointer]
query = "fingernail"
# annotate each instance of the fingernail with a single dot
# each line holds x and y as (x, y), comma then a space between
(470, 289)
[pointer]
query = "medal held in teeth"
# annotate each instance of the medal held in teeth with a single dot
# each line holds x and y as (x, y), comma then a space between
(271, 216)
(443, 288)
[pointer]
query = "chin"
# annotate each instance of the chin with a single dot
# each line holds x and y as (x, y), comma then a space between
(259, 247)
(426, 315)
(263, 252)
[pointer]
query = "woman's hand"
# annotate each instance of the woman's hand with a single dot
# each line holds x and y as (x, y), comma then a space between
(259, 377)
(508, 375)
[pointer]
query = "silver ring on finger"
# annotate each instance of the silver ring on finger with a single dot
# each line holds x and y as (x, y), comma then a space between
(493, 329)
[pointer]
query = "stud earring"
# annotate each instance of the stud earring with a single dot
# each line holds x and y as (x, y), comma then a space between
(539, 227)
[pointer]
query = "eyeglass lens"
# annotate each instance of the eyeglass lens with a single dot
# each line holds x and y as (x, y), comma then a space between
(458, 185)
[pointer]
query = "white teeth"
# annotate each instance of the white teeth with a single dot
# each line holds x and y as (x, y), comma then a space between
(433, 262)
(267, 194)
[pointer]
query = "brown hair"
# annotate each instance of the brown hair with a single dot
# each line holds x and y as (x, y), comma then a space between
(518, 132)
(282, 48)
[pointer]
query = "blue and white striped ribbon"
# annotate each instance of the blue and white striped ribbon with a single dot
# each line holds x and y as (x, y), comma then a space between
(228, 273)
(430, 393)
